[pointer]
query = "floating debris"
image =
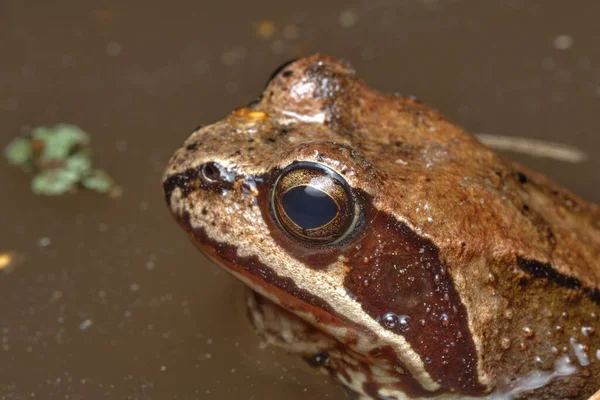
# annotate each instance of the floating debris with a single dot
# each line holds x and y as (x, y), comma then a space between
(533, 147)
(60, 158)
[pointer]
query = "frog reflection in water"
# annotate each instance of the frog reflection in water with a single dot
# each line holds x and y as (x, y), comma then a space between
(388, 247)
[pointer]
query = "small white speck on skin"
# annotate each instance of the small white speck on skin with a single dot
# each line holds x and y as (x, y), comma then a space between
(563, 42)
(163, 367)
(85, 324)
(348, 18)
(113, 49)
(580, 353)
(598, 354)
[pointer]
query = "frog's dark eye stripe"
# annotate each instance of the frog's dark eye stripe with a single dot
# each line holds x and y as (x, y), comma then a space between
(312, 203)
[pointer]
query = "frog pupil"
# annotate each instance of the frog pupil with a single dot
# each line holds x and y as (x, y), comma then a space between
(309, 207)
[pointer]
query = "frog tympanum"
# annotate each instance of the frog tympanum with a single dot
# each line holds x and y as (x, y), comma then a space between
(388, 247)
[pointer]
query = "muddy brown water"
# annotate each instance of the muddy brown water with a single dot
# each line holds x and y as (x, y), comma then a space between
(111, 300)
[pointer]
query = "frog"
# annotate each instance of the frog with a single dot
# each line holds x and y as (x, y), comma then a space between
(389, 248)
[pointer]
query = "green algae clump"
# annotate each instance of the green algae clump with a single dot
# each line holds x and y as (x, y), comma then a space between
(60, 158)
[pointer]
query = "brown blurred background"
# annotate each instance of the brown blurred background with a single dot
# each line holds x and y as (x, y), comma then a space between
(111, 300)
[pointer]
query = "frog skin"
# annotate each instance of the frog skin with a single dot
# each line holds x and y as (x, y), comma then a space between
(391, 249)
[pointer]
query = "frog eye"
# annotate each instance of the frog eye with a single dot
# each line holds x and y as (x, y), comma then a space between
(312, 203)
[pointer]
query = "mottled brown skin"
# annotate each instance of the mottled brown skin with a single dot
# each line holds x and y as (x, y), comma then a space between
(496, 266)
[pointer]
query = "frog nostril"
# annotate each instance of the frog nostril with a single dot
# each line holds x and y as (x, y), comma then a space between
(211, 172)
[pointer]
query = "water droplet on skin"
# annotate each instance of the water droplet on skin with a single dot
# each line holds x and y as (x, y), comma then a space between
(422, 322)
(445, 320)
(390, 320)
(587, 330)
(528, 333)
(554, 350)
(403, 322)
(538, 360)
(580, 352)
(427, 360)
(505, 343)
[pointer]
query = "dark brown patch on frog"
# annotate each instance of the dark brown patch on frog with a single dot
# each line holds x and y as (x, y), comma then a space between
(400, 281)
(541, 270)
(184, 181)
(398, 278)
